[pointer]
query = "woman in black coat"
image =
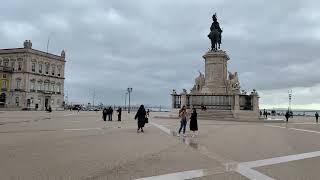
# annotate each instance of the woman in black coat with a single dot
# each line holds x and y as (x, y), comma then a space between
(193, 122)
(141, 116)
(104, 114)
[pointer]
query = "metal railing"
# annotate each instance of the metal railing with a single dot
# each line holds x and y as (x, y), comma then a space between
(6, 69)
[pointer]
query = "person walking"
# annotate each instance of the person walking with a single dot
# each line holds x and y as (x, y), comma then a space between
(194, 122)
(141, 117)
(119, 110)
(287, 115)
(110, 112)
(104, 114)
(183, 121)
(148, 113)
(317, 116)
(265, 113)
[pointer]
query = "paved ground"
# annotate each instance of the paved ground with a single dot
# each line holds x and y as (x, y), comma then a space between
(70, 145)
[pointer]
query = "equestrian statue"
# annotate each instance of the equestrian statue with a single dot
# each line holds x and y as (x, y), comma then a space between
(215, 34)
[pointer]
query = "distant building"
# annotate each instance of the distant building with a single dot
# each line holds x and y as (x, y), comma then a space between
(31, 79)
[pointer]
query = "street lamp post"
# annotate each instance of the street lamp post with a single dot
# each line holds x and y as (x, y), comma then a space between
(129, 92)
(290, 97)
(125, 101)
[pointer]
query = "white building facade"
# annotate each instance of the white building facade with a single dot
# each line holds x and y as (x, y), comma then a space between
(33, 79)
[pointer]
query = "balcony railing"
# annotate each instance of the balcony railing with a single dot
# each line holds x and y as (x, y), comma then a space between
(48, 92)
(6, 69)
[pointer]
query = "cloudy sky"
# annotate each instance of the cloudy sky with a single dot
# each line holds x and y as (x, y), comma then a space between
(156, 46)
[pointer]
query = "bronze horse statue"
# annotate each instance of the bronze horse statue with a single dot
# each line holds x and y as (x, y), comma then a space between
(215, 34)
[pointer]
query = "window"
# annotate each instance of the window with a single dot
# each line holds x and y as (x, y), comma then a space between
(32, 85)
(13, 64)
(40, 86)
(53, 69)
(18, 83)
(6, 63)
(33, 67)
(40, 68)
(19, 66)
(46, 86)
(4, 76)
(28, 102)
(17, 101)
(59, 71)
(47, 68)
(4, 84)
(58, 88)
(53, 88)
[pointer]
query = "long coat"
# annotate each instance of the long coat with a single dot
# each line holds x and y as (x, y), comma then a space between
(193, 122)
(104, 114)
(141, 116)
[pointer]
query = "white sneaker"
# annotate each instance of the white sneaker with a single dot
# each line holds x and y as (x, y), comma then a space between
(178, 135)
(184, 135)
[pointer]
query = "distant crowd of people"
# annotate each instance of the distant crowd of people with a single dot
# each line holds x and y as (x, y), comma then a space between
(108, 113)
(287, 115)
(142, 117)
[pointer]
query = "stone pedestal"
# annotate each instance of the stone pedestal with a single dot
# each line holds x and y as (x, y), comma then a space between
(172, 101)
(236, 105)
(255, 103)
(183, 100)
(215, 72)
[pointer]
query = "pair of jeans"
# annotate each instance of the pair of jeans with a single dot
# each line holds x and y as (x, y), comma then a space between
(183, 125)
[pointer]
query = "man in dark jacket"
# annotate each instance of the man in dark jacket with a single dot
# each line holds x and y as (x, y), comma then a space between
(110, 112)
(317, 116)
(119, 110)
(287, 115)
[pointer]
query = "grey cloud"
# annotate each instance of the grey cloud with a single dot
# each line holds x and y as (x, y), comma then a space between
(155, 46)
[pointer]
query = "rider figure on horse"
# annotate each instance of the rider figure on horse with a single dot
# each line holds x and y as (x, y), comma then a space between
(215, 33)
